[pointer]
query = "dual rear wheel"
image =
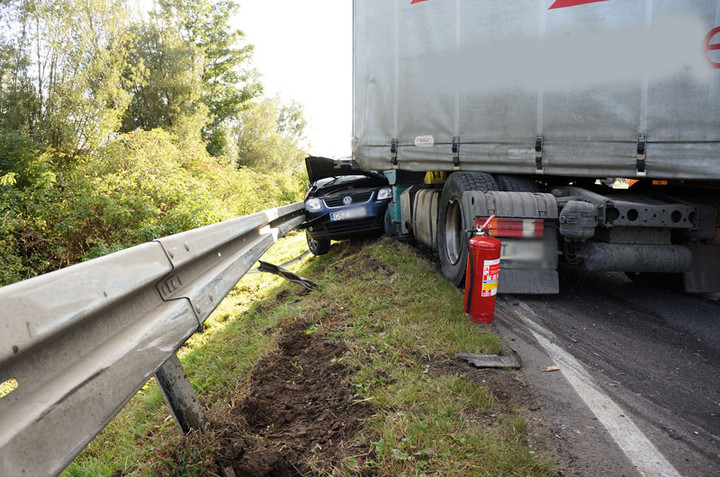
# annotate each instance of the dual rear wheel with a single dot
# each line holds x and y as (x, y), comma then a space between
(454, 219)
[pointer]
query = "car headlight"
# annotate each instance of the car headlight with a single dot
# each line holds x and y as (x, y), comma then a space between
(313, 205)
(385, 193)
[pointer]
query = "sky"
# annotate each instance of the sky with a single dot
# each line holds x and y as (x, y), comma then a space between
(303, 51)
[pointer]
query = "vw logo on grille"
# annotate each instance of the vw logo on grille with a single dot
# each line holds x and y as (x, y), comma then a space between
(347, 200)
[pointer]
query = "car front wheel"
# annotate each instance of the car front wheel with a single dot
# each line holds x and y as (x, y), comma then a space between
(317, 247)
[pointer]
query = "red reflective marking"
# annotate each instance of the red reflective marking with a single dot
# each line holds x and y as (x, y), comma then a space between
(507, 227)
(710, 46)
(572, 3)
(417, 1)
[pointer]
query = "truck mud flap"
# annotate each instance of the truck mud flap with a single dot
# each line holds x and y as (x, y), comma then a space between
(704, 273)
(522, 276)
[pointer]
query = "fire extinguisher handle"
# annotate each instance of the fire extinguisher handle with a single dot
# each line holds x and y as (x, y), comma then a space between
(486, 225)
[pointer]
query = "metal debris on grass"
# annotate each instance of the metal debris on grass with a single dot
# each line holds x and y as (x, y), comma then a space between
(492, 360)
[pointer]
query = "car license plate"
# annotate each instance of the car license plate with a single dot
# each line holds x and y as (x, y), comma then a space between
(348, 214)
(522, 250)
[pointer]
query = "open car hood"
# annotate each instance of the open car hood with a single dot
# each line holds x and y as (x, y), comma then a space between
(322, 167)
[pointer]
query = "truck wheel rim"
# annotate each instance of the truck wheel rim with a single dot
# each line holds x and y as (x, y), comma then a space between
(453, 232)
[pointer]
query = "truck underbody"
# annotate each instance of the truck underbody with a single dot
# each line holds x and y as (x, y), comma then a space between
(651, 230)
(528, 108)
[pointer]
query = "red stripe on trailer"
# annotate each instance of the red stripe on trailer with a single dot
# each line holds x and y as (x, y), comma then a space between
(570, 3)
(557, 4)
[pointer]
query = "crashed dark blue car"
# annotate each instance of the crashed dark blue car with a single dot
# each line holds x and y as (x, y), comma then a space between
(343, 202)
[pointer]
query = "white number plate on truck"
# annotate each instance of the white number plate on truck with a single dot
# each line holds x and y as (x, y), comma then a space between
(522, 250)
(348, 214)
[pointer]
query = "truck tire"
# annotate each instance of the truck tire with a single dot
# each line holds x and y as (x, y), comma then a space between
(511, 183)
(317, 247)
(453, 221)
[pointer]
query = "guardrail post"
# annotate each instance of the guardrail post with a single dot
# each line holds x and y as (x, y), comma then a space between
(180, 396)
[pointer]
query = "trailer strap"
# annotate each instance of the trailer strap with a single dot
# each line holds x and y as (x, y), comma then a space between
(456, 153)
(641, 152)
(539, 140)
(394, 153)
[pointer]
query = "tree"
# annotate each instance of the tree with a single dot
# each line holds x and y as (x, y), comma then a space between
(227, 81)
(18, 109)
(165, 81)
(269, 136)
(75, 72)
(78, 77)
(63, 71)
(291, 120)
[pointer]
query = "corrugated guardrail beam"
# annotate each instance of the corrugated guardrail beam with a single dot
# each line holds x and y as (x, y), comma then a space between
(81, 341)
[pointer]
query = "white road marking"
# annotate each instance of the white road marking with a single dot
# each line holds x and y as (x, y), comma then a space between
(646, 458)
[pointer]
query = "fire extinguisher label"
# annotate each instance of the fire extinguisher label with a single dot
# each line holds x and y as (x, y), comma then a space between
(491, 270)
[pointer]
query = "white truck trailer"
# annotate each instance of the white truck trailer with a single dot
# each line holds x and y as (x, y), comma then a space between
(535, 111)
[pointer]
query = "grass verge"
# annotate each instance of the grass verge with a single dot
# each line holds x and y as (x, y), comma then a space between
(401, 326)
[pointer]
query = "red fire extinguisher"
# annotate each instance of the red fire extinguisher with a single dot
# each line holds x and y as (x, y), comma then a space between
(483, 271)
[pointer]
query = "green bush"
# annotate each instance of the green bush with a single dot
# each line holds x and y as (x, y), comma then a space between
(139, 187)
(28, 196)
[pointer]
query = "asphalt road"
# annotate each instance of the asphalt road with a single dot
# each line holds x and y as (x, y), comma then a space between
(638, 389)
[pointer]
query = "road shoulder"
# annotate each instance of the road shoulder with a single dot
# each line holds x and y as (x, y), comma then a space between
(582, 441)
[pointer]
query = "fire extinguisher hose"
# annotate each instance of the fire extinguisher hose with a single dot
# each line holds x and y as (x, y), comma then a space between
(471, 279)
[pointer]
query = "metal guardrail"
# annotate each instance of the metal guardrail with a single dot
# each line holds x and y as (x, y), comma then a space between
(81, 341)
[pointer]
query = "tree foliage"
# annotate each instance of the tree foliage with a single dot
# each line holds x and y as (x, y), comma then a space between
(63, 72)
(268, 135)
(225, 82)
(138, 187)
(112, 126)
(164, 80)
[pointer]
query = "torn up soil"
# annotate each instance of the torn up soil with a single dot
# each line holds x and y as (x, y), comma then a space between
(299, 415)
(299, 412)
